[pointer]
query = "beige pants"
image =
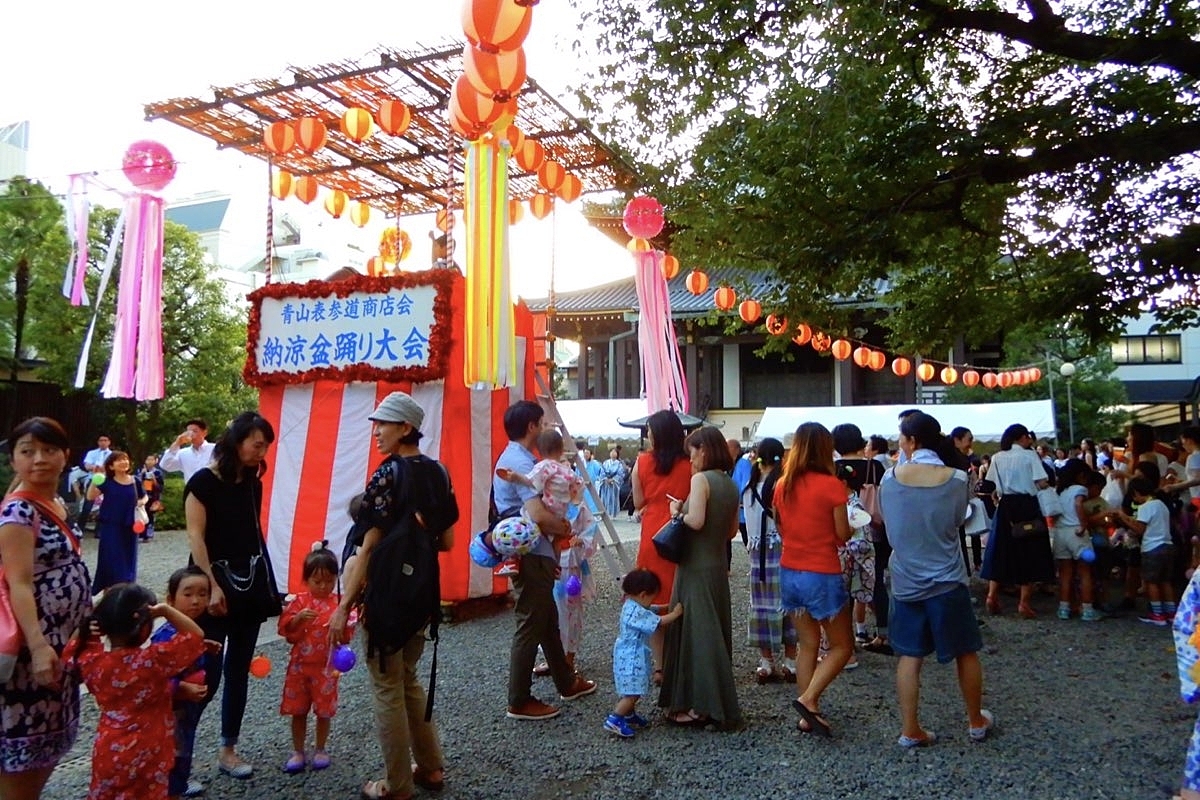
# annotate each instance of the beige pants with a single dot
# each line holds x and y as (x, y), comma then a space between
(404, 735)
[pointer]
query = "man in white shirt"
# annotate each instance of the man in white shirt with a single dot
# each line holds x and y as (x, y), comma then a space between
(93, 462)
(189, 452)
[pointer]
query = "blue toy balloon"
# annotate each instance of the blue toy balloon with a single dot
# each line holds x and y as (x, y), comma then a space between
(1087, 556)
(343, 659)
(574, 586)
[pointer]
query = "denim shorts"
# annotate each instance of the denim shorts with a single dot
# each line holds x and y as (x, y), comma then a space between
(945, 623)
(817, 594)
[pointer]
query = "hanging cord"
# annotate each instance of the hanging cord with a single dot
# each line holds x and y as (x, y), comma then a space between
(270, 262)
(551, 309)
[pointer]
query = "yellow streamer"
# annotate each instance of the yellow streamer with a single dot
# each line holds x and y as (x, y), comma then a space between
(491, 344)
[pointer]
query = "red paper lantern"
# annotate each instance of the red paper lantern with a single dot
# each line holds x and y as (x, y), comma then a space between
(901, 366)
(862, 355)
(570, 189)
(496, 25)
(725, 298)
(357, 124)
(750, 311)
(636, 245)
(669, 266)
(444, 220)
(776, 324)
(305, 188)
(949, 375)
(989, 380)
(551, 176)
(311, 134)
(281, 184)
(279, 137)
(541, 204)
(1019, 377)
(803, 334)
(970, 378)
(696, 282)
(515, 212)
(877, 361)
(394, 117)
(148, 165)
(497, 75)
(531, 155)
(925, 372)
(821, 341)
(643, 217)
(360, 214)
(335, 203)
(1035, 374)
(841, 349)
(1005, 379)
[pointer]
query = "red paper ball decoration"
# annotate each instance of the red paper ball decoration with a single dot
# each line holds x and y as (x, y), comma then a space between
(357, 124)
(497, 75)
(279, 138)
(148, 165)
(496, 25)
(669, 266)
(644, 217)
(989, 380)
(862, 355)
(948, 375)
(821, 341)
(877, 360)
(281, 184)
(311, 134)
(305, 188)
(515, 211)
(750, 311)
(725, 298)
(776, 324)
(970, 378)
(394, 117)
(841, 349)
(901, 366)
(697, 282)
(541, 204)
(803, 335)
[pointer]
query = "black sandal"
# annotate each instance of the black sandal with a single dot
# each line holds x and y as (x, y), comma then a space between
(816, 725)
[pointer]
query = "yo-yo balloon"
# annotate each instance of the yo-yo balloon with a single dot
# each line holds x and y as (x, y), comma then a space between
(343, 659)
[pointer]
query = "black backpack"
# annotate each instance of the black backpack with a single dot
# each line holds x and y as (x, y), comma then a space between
(403, 592)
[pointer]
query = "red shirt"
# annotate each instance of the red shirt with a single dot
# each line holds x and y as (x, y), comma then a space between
(810, 540)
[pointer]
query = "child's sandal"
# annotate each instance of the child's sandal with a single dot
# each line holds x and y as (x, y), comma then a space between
(320, 760)
(295, 763)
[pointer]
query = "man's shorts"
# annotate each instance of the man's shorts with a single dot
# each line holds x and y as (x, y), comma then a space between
(817, 594)
(1156, 564)
(309, 686)
(945, 623)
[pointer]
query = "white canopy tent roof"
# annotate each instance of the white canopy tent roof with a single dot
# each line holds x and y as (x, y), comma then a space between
(986, 421)
(597, 419)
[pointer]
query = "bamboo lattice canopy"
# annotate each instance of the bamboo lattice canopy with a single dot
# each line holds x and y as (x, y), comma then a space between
(414, 173)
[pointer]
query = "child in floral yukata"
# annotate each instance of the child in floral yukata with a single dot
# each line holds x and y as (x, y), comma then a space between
(134, 748)
(1187, 640)
(633, 663)
(310, 683)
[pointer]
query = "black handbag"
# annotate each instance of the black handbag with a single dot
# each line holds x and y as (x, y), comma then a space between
(669, 541)
(249, 584)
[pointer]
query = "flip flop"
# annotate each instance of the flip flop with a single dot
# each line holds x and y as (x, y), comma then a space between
(686, 719)
(817, 726)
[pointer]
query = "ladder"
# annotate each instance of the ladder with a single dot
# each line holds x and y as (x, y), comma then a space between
(607, 542)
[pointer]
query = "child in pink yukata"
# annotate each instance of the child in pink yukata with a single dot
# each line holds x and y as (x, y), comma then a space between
(310, 683)
(135, 744)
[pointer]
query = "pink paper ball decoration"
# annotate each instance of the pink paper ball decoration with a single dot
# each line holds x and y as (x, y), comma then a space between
(643, 218)
(148, 165)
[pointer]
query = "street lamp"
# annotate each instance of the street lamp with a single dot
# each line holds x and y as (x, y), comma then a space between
(1067, 370)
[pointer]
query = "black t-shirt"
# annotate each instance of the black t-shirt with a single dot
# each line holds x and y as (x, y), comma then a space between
(232, 512)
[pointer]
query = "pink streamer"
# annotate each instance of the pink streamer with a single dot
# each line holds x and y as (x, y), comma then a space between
(662, 368)
(136, 368)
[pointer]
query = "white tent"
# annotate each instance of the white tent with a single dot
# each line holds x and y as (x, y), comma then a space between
(597, 419)
(986, 421)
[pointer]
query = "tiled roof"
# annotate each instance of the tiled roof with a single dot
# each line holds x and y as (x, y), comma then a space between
(200, 217)
(620, 296)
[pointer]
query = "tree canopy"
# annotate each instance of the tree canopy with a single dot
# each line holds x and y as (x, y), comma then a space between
(970, 164)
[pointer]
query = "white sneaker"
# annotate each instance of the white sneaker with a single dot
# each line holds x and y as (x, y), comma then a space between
(787, 669)
(765, 670)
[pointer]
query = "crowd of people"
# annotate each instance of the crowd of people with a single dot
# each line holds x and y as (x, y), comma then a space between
(838, 530)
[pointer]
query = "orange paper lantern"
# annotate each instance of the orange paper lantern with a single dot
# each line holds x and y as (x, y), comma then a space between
(496, 25)
(516, 212)
(925, 372)
(725, 298)
(989, 380)
(360, 214)
(394, 117)
(531, 155)
(669, 266)
(374, 266)
(841, 349)
(820, 341)
(471, 106)
(803, 334)
(776, 324)
(357, 124)
(570, 189)
(750, 311)
(335, 203)
(551, 175)
(877, 360)
(516, 138)
(497, 75)
(636, 245)
(901, 366)
(862, 355)
(697, 282)
(1035, 374)
(1018, 377)
(970, 378)
(305, 188)
(311, 134)
(1005, 379)
(541, 204)
(281, 184)
(948, 375)
(279, 137)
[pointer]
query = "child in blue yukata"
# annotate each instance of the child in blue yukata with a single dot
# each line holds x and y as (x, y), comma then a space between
(633, 662)
(1186, 642)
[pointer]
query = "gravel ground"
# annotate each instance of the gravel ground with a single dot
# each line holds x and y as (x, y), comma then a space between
(1084, 711)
